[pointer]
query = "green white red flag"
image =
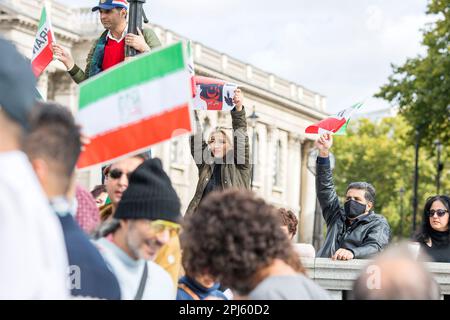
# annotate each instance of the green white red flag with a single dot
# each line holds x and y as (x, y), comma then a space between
(190, 57)
(42, 48)
(336, 124)
(134, 105)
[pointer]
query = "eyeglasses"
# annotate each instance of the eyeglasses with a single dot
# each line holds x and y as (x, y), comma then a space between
(117, 174)
(439, 212)
(159, 226)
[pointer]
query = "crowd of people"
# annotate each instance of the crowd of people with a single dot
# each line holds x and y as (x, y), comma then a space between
(128, 239)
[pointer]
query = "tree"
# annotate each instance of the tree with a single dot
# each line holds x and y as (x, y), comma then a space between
(421, 87)
(379, 153)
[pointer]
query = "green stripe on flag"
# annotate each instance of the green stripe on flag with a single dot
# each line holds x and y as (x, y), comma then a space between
(43, 18)
(140, 70)
(343, 130)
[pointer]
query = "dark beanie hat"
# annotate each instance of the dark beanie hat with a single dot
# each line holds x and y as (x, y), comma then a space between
(17, 84)
(149, 195)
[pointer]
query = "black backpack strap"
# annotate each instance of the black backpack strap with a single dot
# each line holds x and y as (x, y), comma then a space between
(140, 291)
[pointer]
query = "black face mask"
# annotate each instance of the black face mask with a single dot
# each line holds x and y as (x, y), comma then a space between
(354, 209)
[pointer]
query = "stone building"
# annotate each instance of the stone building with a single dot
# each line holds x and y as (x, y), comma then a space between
(284, 108)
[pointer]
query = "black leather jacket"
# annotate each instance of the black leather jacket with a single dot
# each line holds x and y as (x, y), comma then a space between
(365, 237)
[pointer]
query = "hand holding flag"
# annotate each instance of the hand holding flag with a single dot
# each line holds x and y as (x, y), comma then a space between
(323, 144)
(42, 48)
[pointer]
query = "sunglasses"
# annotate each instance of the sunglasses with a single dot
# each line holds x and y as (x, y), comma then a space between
(439, 212)
(117, 174)
(159, 226)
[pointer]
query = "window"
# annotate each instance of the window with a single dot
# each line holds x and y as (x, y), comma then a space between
(256, 159)
(174, 151)
(277, 164)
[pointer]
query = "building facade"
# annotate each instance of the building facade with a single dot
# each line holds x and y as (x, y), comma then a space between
(284, 108)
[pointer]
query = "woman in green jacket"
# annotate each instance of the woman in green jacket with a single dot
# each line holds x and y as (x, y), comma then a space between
(222, 163)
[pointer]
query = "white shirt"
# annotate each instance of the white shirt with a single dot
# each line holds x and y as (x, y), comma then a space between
(129, 272)
(124, 33)
(33, 257)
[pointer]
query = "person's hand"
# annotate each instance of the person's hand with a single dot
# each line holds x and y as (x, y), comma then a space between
(238, 99)
(324, 144)
(137, 41)
(343, 254)
(63, 55)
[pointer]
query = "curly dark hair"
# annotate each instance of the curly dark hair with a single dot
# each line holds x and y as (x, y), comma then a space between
(424, 234)
(289, 220)
(232, 236)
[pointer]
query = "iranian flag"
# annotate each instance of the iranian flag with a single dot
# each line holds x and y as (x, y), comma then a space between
(134, 105)
(213, 94)
(42, 48)
(336, 124)
(191, 69)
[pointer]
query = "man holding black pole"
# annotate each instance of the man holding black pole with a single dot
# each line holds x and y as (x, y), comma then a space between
(110, 48)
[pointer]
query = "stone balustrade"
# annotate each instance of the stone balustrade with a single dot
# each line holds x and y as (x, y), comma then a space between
(338, 276)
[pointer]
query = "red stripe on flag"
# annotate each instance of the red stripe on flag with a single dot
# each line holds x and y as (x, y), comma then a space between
(136, 136)
(329, 124)
(42, 61)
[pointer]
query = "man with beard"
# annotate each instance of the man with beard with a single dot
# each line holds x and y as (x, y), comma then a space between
(148, 213)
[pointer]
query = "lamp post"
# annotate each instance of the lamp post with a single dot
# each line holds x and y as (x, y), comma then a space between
(416, 179)
(253, 118)
(318, 219)
(135, 15)
(401, 193)
(439, 166)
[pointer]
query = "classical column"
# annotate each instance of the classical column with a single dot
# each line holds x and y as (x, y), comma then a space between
(270, 149)
(293, 179)
(308, 197)
(42, 85)
(63, 90)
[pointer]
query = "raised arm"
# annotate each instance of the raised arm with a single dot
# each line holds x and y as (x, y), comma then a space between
(326, 191)
(240, 134)
(198, 144)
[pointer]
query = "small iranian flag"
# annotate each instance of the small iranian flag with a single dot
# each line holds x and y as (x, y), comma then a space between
(336, 124)
(42, 48)
(135, 105)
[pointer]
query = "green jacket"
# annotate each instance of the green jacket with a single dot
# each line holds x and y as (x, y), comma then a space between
(95, 57)
(236, 172)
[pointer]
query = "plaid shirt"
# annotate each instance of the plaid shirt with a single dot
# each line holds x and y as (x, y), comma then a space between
(87, 216)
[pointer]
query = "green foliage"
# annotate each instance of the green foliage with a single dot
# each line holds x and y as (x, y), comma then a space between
(380, 153)
(421, 87)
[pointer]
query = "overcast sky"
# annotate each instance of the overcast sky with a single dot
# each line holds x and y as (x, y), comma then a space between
(341, 49)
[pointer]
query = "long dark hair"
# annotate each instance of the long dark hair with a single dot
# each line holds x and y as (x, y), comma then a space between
(424, 233)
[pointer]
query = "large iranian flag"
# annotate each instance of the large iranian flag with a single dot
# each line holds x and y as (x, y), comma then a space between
(134, 105)
(42, 48)
(336, 124)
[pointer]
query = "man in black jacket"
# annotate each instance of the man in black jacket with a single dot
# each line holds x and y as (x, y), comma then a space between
(355, 231)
